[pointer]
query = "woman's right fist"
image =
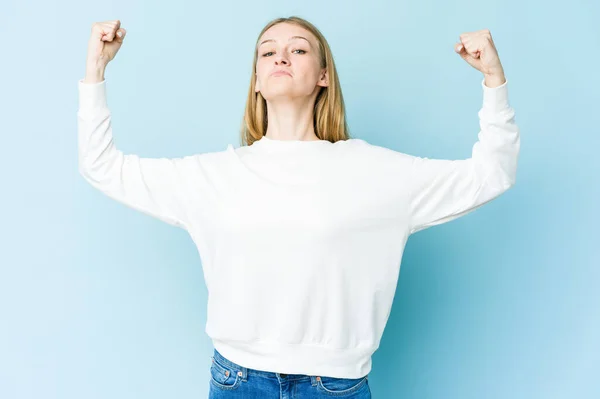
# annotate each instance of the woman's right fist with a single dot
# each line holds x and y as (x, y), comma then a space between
(105, 41)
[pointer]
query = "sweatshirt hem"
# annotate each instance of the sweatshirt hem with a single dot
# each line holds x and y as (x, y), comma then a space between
(298, 359)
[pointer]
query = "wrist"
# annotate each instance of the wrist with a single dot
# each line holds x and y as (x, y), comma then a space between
(94, 70)
(494, 79)
(94, 75)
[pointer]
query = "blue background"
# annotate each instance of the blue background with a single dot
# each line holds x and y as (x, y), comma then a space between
(99, 301)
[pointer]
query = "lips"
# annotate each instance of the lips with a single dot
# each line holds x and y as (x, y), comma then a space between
(281, 73)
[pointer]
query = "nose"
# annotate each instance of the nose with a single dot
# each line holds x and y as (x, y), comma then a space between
(281, 59)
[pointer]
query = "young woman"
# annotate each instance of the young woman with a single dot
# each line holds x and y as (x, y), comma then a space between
(301, 230)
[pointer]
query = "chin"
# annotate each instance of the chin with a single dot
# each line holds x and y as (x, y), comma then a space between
(284, 92)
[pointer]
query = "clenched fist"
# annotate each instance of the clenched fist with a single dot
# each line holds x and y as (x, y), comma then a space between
(105, 41)
(478, 49)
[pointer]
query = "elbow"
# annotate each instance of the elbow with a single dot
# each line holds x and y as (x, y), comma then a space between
(499, 182)
(82, 168)
(509, 184)
(101, 169)
(86, 172)
(508, 181)
(93, 173)
(83, 172)
(504, 175)
(85, 167)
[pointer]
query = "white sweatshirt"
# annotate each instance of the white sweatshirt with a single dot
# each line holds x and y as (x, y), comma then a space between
(301, 241)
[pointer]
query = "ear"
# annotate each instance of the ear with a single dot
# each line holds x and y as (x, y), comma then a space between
(324, 80)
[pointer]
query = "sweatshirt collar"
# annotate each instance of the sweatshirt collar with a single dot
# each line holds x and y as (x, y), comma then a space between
(268, 143)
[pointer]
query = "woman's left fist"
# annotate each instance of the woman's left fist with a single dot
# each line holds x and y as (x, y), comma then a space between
(478, 49)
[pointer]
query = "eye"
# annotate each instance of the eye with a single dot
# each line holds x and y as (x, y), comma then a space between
(270, 52)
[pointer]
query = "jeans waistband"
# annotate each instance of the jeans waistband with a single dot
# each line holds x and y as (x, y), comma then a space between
(244, 370)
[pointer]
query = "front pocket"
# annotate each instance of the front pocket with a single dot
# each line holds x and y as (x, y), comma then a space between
(340, 386)
(224, 377)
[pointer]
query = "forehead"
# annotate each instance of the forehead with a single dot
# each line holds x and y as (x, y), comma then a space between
(283, 31)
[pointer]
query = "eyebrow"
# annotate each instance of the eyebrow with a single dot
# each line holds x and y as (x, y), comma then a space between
(291, 38)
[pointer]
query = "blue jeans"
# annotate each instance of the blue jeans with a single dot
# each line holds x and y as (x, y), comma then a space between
(232, 381)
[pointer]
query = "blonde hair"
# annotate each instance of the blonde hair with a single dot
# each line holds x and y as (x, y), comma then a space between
(329, 111)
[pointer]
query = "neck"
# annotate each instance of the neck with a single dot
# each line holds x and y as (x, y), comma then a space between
(291, 119)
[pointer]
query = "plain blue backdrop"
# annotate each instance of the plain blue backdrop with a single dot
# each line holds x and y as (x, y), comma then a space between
(99, 301)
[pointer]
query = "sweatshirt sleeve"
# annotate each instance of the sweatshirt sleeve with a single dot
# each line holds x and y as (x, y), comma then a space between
(154, 186)
(443, 190)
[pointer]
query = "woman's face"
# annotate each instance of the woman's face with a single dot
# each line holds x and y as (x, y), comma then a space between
(293, 50)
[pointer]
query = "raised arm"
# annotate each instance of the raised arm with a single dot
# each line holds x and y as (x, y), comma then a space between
(443, 190)
(155, 186)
